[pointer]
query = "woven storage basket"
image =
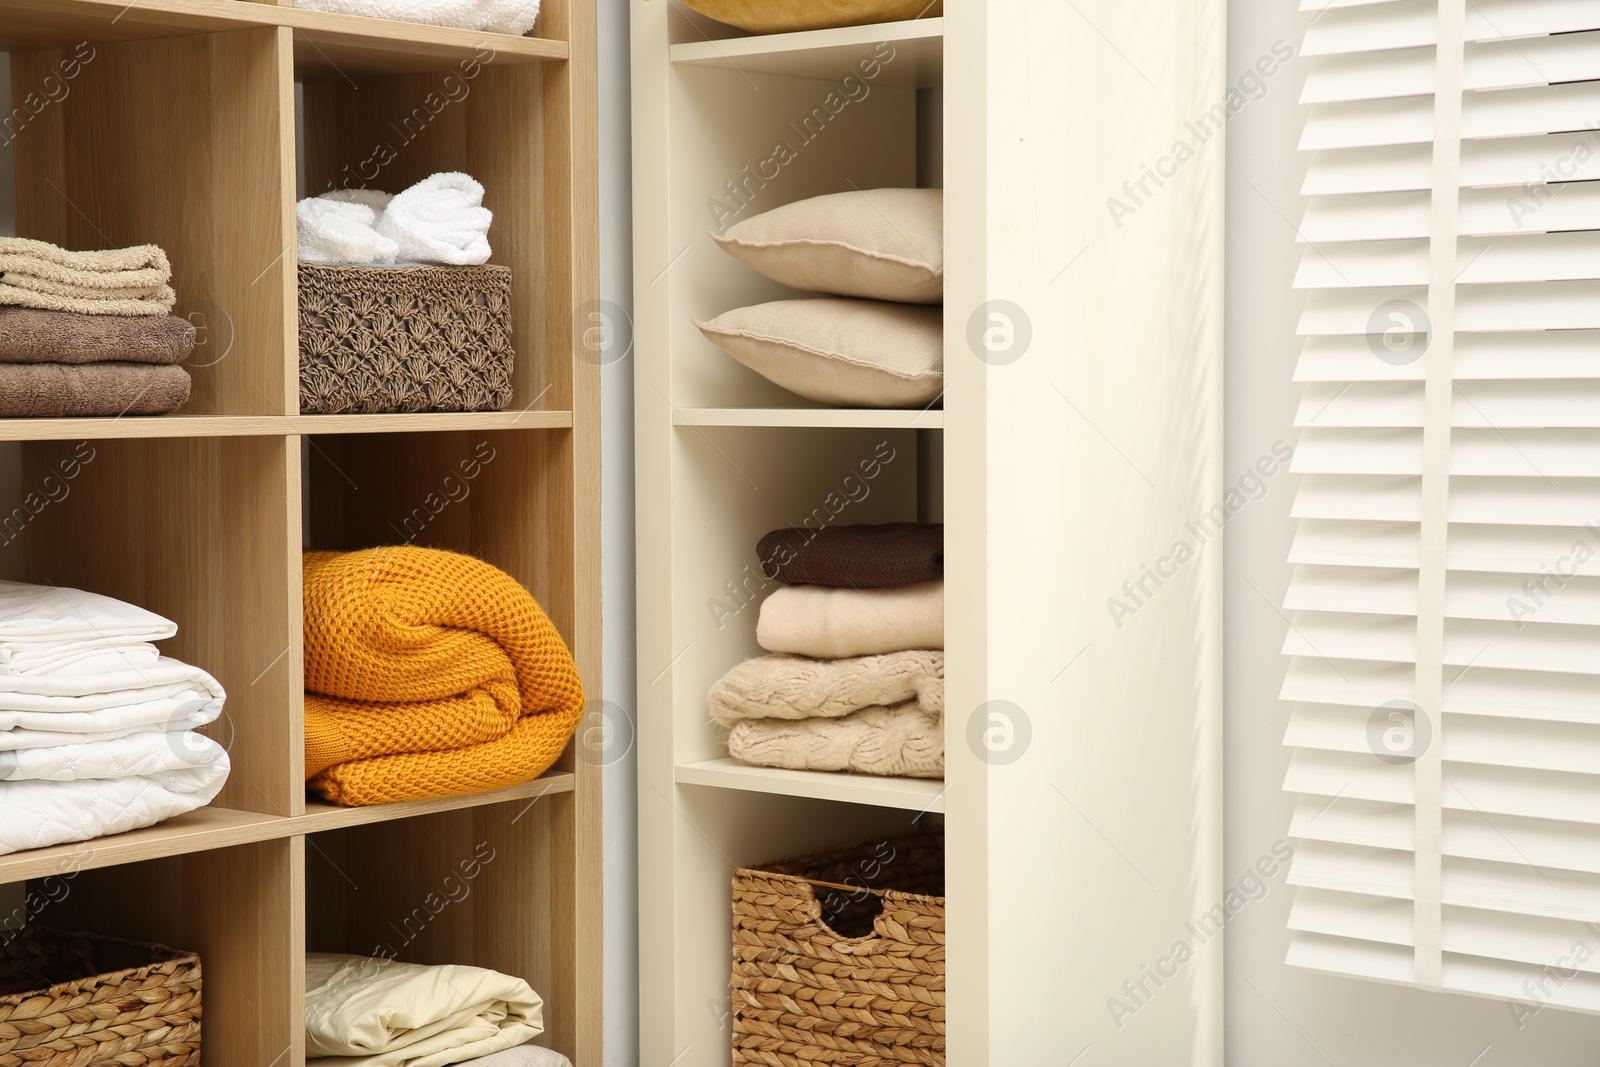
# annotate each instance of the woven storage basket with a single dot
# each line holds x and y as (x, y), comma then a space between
(838, 957)
(79, 1000)
(383, 339)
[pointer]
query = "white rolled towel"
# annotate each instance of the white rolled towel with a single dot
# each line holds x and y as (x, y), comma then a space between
(337, 228)
(515, 17)
(441, 219)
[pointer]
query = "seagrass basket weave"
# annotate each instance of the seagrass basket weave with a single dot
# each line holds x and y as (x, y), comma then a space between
(838, 956)
(387, 339)
(79, 1000)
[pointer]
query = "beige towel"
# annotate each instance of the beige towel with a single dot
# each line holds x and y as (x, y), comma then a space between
(814, 620)
(56, 390)
(28, 335)
(794, 687)
(363, 1012)
(118, 281)
(900, 742)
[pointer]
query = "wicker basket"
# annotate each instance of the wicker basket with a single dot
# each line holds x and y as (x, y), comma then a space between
(384, 339)
(79, 1000)
(838, 957)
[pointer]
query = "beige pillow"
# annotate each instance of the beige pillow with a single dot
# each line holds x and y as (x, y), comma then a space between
(784, 16)
(848, 353)
(879, 244)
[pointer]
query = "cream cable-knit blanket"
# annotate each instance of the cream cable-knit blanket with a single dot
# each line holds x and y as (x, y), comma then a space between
(869, 714)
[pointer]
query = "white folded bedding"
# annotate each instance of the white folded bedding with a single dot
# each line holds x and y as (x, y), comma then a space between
(68, 802)
(76, 657)
(30, 613)
(384, 1013)
(90, 692)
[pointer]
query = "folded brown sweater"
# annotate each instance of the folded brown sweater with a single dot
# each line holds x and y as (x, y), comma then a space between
(855, 557)
(31, 335)
(54, 390)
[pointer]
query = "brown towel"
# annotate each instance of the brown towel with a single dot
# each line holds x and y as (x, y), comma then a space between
(53, 390)
(29, 335)
(855, 557)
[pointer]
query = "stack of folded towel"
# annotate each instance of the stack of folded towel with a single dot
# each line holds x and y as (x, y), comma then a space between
(857, 681)
(428, 674)
(96, 726)
(440, 220)
(88, 333)
(368, 1012)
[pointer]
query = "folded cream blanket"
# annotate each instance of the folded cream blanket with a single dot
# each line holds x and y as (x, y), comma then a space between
(119, 281)
(53, 613)
(814, 620)
(383, 1013)
(794, 687)
(901, 742)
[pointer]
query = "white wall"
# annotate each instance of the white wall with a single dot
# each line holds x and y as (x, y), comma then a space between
(616, 547)
(1278, 1016)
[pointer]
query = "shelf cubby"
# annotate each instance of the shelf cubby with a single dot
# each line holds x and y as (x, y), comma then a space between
(915, 48)
(484, 887)
(239, 907)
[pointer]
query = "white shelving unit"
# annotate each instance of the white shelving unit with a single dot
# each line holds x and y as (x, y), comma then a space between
(1060, 468)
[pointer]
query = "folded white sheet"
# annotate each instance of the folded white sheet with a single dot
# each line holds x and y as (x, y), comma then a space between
(384, 1013)
(178, 697)
(46, 628)
(140, 755)
(38, 813)
(521, 1056)
(441, 219)
(515, 17)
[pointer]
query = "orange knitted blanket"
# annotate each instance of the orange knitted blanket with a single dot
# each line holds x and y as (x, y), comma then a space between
(428, 674)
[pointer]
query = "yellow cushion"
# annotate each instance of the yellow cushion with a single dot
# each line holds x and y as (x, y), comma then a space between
(786, 16)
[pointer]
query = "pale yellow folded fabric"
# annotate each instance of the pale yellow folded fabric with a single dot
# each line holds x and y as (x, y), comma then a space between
(828, 623)
(114, 281)
(365, 1012)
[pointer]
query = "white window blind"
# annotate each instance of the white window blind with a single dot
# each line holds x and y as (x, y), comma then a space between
(1445, 604)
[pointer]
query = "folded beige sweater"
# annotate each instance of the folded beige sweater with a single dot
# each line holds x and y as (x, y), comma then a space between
(814, 620)
(900, 742)
(118, 281)
(363, 1012)
(57, 390)
(794, 687)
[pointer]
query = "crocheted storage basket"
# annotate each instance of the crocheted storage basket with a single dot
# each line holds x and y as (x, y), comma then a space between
(80, 1000)
(838, 956)
(385, 339)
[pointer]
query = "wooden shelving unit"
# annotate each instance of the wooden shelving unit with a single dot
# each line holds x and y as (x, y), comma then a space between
(1060, 469)
(183, 128)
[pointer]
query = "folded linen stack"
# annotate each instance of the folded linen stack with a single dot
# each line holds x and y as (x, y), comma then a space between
(439, 220)
(857, 683)
(877, 341)
(428, 674)
(88, 333)
(96, 726)
(368, 1012)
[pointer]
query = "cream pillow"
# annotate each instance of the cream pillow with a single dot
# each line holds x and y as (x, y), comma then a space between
(847, 353)
(783, 16)
(879, 244)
